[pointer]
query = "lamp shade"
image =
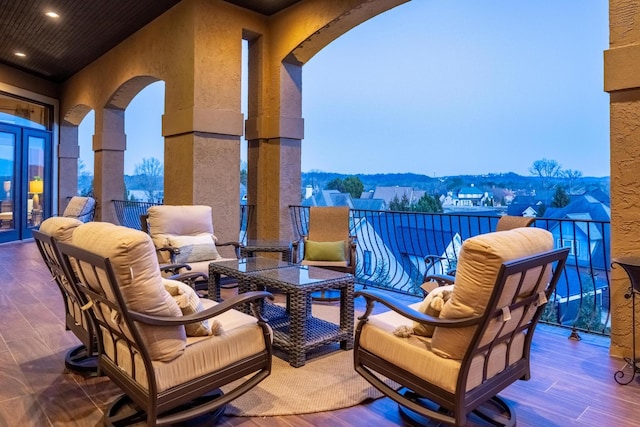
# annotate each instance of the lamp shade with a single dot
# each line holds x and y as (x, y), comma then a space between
(36, 186)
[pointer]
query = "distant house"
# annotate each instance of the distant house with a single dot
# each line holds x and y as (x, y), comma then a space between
(329, 198)
(388, 194)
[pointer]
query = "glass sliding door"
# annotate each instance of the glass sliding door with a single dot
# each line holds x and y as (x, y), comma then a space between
(25, 159)
(9, 137)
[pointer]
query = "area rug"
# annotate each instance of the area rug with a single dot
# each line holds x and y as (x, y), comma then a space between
(326, 382)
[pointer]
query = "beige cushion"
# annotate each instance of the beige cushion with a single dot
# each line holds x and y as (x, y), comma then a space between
(414, 353)
(190, 303)
(136, 268)
(432, 305)
(60, 228)
(196, 248)
(324, 251)
(477, 270)
(182, 220)
(241, 338)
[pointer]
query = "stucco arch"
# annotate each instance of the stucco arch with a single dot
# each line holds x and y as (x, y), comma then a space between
(75, 115)
(128, 90)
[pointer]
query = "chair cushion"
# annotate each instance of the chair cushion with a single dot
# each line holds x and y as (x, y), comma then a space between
(81, 208)
(478, 265)
(60, 228)
(190, 303)
(324, 251)
(184, 220)
(136, 268)
(201, 247)
(242, 337)
(414, 354)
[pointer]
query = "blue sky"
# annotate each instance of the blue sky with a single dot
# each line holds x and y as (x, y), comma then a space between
(444, 88)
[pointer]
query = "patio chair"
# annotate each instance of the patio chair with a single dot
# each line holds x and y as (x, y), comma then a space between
(328, 244)
(452, 357)
(505, 222)
(167, 349)
(83, 358)
(184, 238)
(81, 208)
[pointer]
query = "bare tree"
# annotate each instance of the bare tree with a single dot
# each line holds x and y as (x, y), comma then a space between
(571, 175)
(545, 169)
(150, 172)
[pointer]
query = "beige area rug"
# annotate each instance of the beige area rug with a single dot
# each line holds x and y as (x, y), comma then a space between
(326, 382)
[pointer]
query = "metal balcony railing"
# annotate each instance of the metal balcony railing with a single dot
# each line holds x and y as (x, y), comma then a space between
(391, 250)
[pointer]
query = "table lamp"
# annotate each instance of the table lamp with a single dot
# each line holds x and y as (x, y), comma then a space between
(36, 187)
(6, 185)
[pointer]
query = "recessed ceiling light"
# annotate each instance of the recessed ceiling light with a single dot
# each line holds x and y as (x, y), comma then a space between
(20, 54)
(52, 15)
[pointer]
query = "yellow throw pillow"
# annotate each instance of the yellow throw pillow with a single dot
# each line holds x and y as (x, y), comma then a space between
(324, 251)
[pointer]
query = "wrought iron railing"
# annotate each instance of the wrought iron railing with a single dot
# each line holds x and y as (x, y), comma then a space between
(391, 250)
(128, 214)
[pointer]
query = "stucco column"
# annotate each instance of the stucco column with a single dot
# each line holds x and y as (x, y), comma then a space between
(274, 132)
(68, 153)
(622, 81)
(109, 143)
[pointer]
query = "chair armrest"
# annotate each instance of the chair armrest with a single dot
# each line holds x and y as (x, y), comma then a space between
(172, 252)
(174, 268)
(237, 246)
(401, 308)
(297, 246)
(442, 279)
(228, 304)
(189, 278)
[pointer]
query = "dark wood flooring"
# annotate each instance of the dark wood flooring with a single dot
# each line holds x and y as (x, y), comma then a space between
(572, 381)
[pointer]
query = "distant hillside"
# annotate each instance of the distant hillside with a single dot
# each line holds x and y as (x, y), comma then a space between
(441, 185)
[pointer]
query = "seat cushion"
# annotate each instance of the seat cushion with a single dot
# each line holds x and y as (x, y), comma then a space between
(478, 265)
(136, 268)
(241, 338)
(414, 353)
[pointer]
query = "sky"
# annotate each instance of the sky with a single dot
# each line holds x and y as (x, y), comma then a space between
(442, 88)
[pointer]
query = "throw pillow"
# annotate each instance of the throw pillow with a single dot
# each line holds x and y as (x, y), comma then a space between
(324, 251)
(189, 303)
(196, 248)
(432, 306)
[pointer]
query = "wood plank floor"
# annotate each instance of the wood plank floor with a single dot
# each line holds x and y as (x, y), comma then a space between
(572, 381)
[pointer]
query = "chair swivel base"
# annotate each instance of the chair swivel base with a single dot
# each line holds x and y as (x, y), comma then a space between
(123, 412)
(496, 411)
(78, 360)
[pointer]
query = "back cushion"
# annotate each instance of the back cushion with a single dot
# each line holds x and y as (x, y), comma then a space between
(478, 265)
(80, 208)
(60, 228)
(135, 265)
(185, 220)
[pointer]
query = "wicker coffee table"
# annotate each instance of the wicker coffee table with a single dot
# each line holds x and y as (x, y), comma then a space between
(254, 247)
(238, 268)
(295, 330)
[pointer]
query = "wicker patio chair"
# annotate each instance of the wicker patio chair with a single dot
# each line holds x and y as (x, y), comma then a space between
(452, 353)
(168, 350)
(328, 244)
(82, 358)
